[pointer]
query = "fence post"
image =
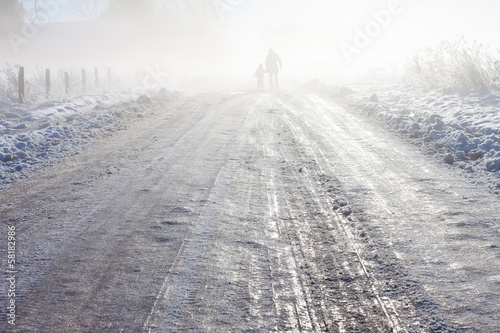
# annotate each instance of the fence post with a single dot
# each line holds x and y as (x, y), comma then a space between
(21, 85)
(96, 71)
(66, 82)
(47, 83)
(84, 80)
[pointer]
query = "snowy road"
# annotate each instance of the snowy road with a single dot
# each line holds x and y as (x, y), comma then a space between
(252, 212)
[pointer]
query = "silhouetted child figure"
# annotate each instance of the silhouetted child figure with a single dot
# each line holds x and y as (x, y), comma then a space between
(259, 74)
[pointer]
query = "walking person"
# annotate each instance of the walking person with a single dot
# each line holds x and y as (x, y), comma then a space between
(259, 74)
(273, 67)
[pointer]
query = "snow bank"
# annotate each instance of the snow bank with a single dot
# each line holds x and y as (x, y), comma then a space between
(461, 129)
(18, 116)
(31, 139)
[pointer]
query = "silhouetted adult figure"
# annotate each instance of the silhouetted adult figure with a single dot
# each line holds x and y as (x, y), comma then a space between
(273, 67)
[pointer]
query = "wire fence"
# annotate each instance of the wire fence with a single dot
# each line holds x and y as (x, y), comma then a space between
(34, 85)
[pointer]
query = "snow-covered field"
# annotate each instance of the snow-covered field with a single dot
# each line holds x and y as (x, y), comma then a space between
(460, 129)
(33, 137)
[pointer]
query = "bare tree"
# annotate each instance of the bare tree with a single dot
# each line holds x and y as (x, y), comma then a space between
(11, 16)
(90, 10)
(33, 10)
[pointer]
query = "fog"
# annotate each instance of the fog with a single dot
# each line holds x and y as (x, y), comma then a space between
(219, 44)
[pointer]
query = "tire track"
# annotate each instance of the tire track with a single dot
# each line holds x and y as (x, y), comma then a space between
(234, 220)
(313, 153)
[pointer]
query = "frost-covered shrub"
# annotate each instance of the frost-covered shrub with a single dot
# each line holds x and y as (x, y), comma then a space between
(8, 84)
(36, 90)
(455, 65)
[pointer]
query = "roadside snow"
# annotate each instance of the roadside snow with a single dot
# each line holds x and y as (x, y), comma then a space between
(33, 138)
(461, 129)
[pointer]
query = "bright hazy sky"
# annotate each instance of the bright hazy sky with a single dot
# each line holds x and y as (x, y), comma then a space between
(314, 30)
(330, 23)
(421, 19)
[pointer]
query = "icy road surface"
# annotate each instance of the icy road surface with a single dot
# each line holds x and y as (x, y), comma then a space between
(252, 212)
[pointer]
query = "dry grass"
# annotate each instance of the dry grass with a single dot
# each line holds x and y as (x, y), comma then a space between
(455, 66)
